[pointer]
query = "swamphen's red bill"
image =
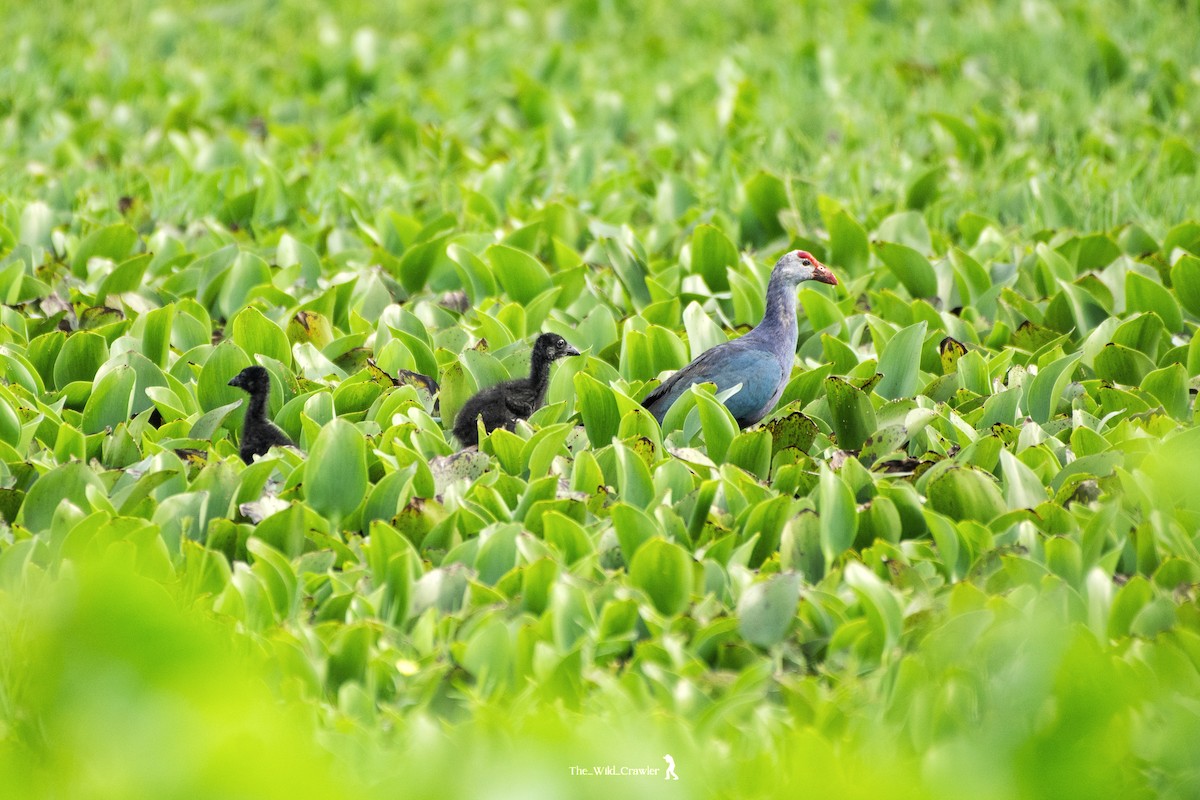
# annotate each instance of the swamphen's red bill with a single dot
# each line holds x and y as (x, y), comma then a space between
(821, 274)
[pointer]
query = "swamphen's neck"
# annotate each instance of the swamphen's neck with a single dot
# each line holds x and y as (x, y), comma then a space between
(778, 329)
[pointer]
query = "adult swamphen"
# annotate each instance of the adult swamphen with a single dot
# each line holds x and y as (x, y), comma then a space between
(259, 434)
(502, 405)
(760, 361)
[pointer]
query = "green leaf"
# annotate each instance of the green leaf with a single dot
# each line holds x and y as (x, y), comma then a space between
(1144, 294)
(900, 363)
(839, 518)
(1120, 364)
(717, 423)
(113, 242)
(110, 400)
(335, 473)
(125, 277)
(767, 609)
(212, 387)
(878, 601)
(852, 416)
(257, 335)
(81, 357)
(849, 248)
(598, 407)
(712, 255)
(211, 421)
(703, 333)
(522, 276)
(1170, 386)
(1046, 389)
(1185, 279)
(664, 572)
(65, 483)
(966, 493)
(912, 268)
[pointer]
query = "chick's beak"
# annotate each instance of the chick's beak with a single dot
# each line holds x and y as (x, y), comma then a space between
(234, 382)
(570, 351)
(822, 275)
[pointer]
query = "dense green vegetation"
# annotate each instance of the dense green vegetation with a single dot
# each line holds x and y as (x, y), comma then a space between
(960, 560)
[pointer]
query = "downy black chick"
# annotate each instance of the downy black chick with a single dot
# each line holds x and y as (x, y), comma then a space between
(502, 405)
(259, 434)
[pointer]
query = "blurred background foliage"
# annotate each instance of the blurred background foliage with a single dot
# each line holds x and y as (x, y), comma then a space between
(973, 576)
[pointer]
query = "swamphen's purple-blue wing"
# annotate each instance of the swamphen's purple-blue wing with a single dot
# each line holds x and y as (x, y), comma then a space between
(759, 371)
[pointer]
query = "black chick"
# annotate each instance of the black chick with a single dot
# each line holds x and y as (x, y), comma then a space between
(259, 434)
(502, 405)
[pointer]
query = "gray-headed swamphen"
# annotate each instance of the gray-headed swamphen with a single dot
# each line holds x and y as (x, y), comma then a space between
(502, 405)
(761, 361)
(259, 434)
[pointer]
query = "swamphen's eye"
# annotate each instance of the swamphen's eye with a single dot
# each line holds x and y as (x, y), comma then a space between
(806, 262)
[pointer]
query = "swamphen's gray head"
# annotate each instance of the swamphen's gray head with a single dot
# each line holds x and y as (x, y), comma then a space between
(798, 265)
(551, 347)
(254, 380)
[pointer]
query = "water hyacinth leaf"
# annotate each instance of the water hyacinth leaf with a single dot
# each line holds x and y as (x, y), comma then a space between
(767, 608)
(211, 421)
(1121, 364)
(497, 554)
(247, 271)
(636, 483)
(849, 248)
(881, 606)
(852, 416)
(520, 274)
(839, 518)
(156, 334)
(599, 409)
(966, 493)
(335, 473)
(766, 197)
(68, 483)
(794, 430)
(110, 400)
(1047, 387)
(1170, 387)
(912, 268)
(712, 255)
(113, 242)
(310, 327)
(900, 363)
(476, 277)
(950, 350)
(751, 450)
(125, 277)
(81, 356)
(627, 262)
(717, 423)
(1185, 280)
(703, 333)
(489, 655)
(1022, 488)
(257, 335)
(663, 570)
(884, 441)
(212, 387)
(1144, 294)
